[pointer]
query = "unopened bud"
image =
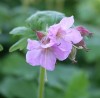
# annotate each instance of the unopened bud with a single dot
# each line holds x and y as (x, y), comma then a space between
(84, 31)
(40, 35)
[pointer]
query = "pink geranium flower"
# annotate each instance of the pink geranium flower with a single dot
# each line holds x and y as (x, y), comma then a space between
(63, 33)
(57, 44)
(45, 53)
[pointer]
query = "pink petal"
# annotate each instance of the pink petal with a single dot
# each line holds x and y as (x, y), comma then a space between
(32, 57)
(63, 44)
(67, 22)
(48, 60)
(33, 44)
(62, 55)
(73, 35)
(53, 30)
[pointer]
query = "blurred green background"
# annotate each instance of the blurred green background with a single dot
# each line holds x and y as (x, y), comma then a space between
(20, 80)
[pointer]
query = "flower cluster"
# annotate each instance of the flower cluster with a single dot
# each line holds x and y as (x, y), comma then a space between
(56, 44)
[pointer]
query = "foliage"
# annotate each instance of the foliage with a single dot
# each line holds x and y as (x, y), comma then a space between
(20, 80)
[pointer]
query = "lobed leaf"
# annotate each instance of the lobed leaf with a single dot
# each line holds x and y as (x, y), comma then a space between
(21, 31)
(42, 19)
(21, 44)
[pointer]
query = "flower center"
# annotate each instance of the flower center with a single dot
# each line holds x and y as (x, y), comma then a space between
(59, 34)
(45, 40)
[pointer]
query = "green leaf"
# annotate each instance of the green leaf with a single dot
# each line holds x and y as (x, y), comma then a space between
(15, 64)
(21, 31)
(1, 47)
(42, 19)
(62, 75)
(78, 87)
(21, 44)
(18, 88)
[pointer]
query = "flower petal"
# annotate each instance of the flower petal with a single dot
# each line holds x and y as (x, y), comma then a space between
(32, 57)
(63, 44)
(48, 60)
(67, 22)
(62, 55)
(33, 44)
(73, 35)
(53, 30)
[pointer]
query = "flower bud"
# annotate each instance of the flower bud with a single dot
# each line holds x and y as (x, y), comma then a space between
(84, 31)
(40, 35)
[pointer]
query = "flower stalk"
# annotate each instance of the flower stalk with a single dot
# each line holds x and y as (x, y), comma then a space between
(41, 83)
